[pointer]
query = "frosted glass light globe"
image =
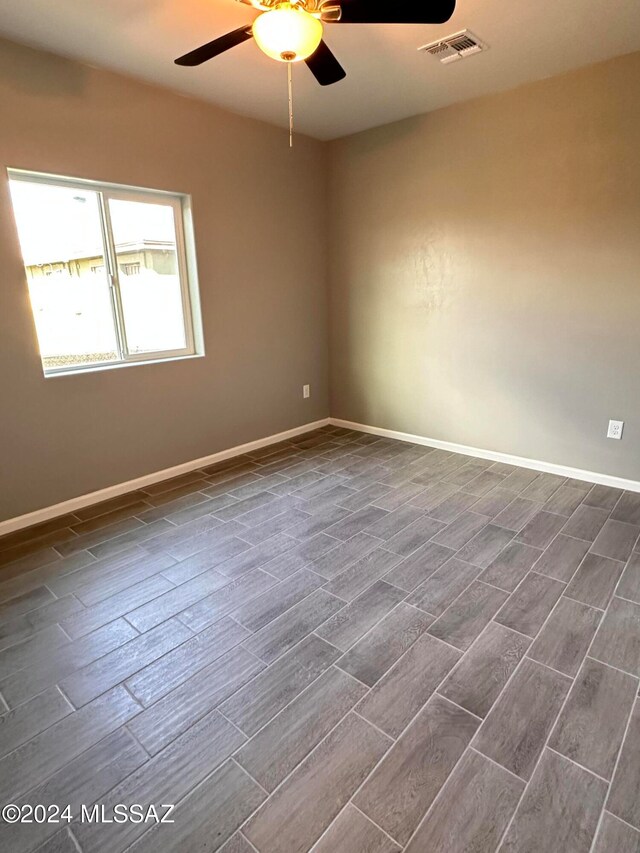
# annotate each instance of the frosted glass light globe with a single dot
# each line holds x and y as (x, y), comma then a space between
(287, 33)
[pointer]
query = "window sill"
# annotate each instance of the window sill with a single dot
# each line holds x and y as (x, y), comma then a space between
(100, 368)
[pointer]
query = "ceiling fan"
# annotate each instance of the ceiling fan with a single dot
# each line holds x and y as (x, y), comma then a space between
(292, 31)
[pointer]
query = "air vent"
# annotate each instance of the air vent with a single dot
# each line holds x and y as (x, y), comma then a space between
(455, 47)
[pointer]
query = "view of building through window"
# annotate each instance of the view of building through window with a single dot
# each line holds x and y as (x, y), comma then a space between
(104, 273)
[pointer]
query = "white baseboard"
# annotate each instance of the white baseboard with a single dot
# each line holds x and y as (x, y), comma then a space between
(49, 512)
(523, 462)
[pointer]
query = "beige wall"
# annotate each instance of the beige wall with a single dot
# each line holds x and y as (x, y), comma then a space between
(485, 272)
(484, 264)
(262, 283)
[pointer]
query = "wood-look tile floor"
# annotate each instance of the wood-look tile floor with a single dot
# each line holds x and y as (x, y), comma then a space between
(339, 644)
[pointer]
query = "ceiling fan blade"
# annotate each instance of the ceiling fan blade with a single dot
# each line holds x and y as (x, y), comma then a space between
(325, 67)
(215, 47)
(398, 12)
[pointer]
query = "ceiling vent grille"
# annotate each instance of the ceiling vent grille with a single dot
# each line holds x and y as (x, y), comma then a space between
(455, 47)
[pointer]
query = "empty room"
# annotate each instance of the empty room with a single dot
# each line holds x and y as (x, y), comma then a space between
(319, 426)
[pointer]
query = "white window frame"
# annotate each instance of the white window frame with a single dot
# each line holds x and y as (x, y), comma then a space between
(185, 255)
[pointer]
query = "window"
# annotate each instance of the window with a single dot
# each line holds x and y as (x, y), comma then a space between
(110, 270)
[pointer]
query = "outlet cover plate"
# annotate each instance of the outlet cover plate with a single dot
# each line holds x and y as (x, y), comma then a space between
(615, 429)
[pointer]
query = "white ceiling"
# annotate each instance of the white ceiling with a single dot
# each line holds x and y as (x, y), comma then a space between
(387, 79)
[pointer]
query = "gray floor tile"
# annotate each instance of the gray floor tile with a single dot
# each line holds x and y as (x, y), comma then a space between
(260, 700)
(460, 531)
(628, 508)
(31, 718)
(541, 529)
(32, 650)
(559, 810)
(171, 603)
(562, 558)
(356, 618)
(466, 473)
(529, 606)
(473, 810)
(281, 635)
(592, 724)
(406, 687)
(363, 497)
(23, 603)
(179, 709)
(466, 618)
(403, 786)
(510, 566)
(518, 513)
(166, 778)
(298, 813)
(564, 640)
(629, 586)
(26, 625)
(88, 619)
(97, 583)
(89, 682)
(565, 501)
(485, 546)
(250, 552)
(284, 742)
(301, 556)
(169, 671)
(518, 480)
(280, 524)
(253, 558)
(419, 566)
(516, 729)
(618, 639)
(543, 487)
(46, 753)
(226, 599)
(237, 844)
(414, 536)
(84, 780)
(623, 796)
(433, 495)
(335, 561)
(443, 587)
(603, 497)
(362, 574)
(52, 665)
(208, 816)
(494, 502)
(387, 525)
(482, 673)
(616, 540)
(352, 831)
(595, 581)
(61, 842)
(483, 483)
(356, 522)
(586, 522)
(453, 506)
(396, 497)
(262, 610)
(378, 650)
(614, 836)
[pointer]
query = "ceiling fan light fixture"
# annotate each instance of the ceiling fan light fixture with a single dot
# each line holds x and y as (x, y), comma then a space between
(287, 33)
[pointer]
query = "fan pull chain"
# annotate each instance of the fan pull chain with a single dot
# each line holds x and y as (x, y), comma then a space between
(290, 81)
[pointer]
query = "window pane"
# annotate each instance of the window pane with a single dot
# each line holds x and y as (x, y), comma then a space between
(145, 241)
(61, 239)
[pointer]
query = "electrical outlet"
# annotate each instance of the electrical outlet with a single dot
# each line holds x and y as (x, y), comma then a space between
(615, 429)
(306, 391)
